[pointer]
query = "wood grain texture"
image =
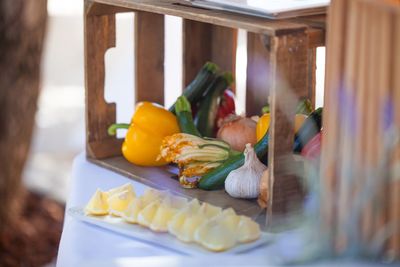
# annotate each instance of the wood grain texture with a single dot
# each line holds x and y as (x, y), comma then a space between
(204, 42)
(223, 48)
(254, 24)
(196, 48)
(259, 75)
(347, 167)
(394, 193)
(330, 150)
(289, 69)
(162, 178)
(149, 55)
(99, 37)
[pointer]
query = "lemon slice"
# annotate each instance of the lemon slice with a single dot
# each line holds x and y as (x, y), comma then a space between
(122, 188)
(97, 204)
(176, 223)
(189, 226)
(130, 214)
(151, 195)
(247, 230)
(169, 207)
(209, 210)
(119, 201)
(214, 235)
(229, 219)
(146, 215)
(161, 218)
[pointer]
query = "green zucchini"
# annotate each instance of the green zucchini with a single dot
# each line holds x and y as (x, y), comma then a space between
(183, 113)
(196, 89)
(215, 179)
(207, 112)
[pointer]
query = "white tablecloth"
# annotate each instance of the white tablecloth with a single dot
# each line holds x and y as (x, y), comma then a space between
(86, 245)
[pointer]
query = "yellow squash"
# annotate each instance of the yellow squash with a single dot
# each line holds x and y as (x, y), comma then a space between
(264, 121)
(149, 125)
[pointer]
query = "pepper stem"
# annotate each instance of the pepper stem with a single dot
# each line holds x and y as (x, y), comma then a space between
(112, 130)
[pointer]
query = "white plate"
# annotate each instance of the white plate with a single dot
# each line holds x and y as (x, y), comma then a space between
(164, 240)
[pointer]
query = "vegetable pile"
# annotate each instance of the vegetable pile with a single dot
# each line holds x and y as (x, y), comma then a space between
(207, 140)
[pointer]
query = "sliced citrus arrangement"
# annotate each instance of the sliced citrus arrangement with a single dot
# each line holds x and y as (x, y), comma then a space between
(210, 226)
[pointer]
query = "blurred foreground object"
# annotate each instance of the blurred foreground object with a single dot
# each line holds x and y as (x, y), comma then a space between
(361, 140)
(22, 30)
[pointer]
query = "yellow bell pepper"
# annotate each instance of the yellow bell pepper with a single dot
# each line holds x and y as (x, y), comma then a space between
(264, 121)
(149, 125)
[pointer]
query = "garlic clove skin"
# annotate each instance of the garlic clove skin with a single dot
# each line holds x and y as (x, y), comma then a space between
(244, 182)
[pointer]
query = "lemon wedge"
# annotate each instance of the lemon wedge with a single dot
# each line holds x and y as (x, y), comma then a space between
(130, 214)
(146, 215)
(169, 207)
(119, 201)
(97, 204)
(209, 210)
(189, 226)
(229, 219)
(122, 188)
(247, 230)
(214, 235)
(150, 195)
(161, 218)
(176, 223)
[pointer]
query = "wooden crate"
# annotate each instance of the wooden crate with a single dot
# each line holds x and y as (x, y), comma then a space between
(284, 48)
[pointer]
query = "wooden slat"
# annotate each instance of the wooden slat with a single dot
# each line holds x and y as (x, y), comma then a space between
(259, 74)
(289, 67)
(316, 37)
(223, 48)
(226, 19)
(204, 42)
(370, 123)
(330, 150)
(196, 48)
(383, 44)
(92, 8)
(347, 167)
(312, 74)
(394, 210)
(149, 55)
(99, 36)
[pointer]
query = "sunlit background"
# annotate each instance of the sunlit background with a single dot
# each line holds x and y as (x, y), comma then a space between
(60, 131)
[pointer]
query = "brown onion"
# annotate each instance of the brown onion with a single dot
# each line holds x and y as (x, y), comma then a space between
(238, 131)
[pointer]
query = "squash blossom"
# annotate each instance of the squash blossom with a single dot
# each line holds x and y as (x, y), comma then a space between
(149, 125)
(194, 155)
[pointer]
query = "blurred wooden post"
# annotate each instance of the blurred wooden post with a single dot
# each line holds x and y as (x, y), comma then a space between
(22, 35)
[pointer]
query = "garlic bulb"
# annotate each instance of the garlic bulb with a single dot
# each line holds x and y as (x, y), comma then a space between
(244, 182)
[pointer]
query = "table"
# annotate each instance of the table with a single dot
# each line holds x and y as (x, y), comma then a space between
(86, 245)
